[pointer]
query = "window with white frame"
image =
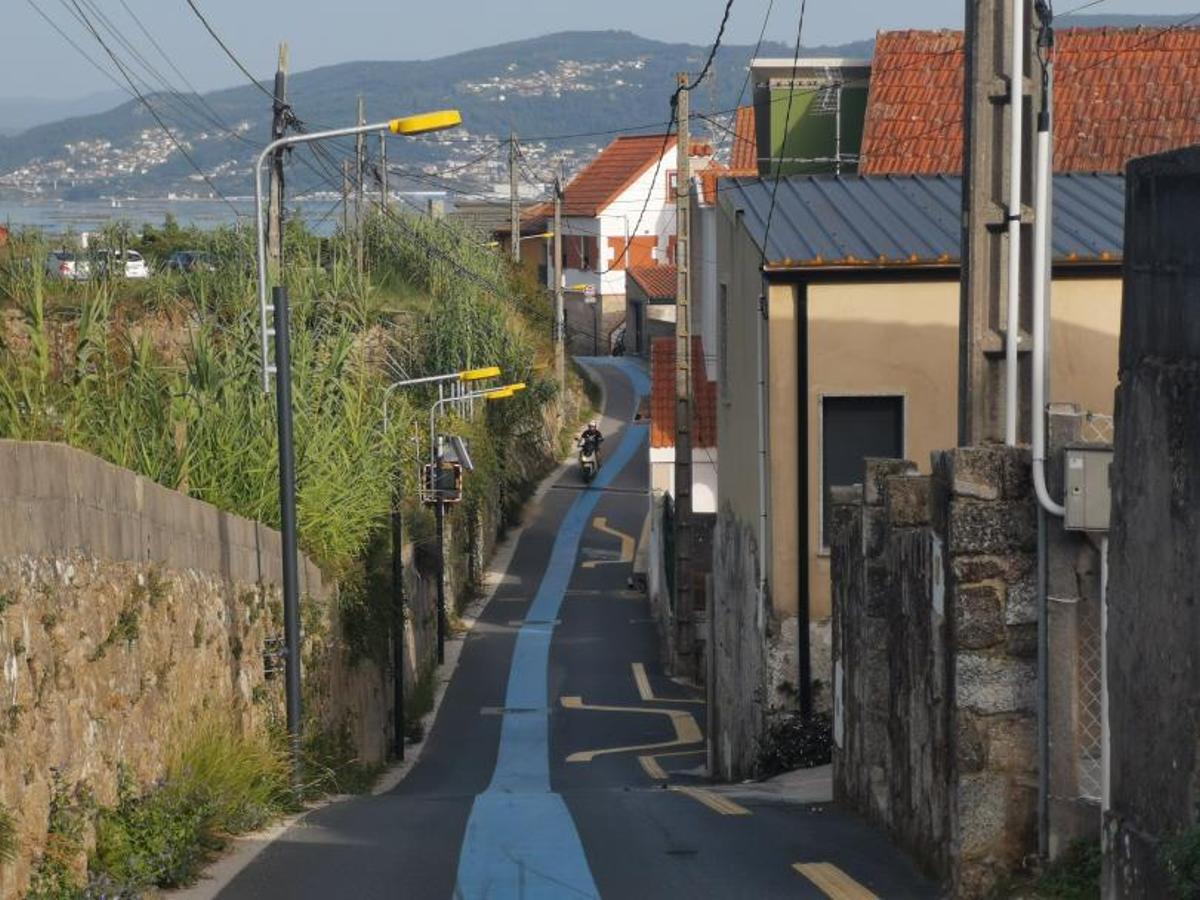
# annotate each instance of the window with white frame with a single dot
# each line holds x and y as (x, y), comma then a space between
(854, 429)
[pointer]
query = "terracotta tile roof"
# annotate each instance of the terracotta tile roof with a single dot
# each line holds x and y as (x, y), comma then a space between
(618, 166)
(744, 154)
(1119, 93)
(662, 396)
(658, 282)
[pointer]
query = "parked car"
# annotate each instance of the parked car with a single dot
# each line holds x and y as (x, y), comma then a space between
(191, 261)
(127, 263)
(67, 265)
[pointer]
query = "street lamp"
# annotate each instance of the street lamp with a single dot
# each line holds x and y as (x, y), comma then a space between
(410, 125)
(435, 456)
(456, 379)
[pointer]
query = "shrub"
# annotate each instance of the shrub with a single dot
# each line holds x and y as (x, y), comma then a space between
(793, 742)
(219, 782)
(1181, 858)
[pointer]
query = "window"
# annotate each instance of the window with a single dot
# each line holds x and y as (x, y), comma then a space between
(723, 341)
(672, 185)
(853, 429)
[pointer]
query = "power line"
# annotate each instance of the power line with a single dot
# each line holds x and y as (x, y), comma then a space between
(150, 109)
(216, 37)
(787, 124)
(99, 68)
(750, 68)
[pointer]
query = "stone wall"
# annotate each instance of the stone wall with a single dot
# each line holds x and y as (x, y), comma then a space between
(1154, 554)
(740, 634)
(934, 654)
(125, 610)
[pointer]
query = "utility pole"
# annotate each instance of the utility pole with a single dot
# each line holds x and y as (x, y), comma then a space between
(684, 600)
(360, 161)
(514, 200)
(383, 174)
(279, 124)
(989, 115)
(560, 337)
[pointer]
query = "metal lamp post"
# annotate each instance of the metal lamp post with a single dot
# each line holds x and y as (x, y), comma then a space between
(397, 523)
(435, 458)
(410, 125)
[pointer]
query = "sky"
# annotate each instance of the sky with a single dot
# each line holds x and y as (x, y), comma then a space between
(40, 63)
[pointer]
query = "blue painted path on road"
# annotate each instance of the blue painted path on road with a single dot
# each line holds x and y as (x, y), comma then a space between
(521, 841)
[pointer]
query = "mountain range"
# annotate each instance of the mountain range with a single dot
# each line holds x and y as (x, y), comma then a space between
(586, 84)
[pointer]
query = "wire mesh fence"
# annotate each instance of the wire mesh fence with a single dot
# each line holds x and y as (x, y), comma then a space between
(1089, 714)
(1095, 428)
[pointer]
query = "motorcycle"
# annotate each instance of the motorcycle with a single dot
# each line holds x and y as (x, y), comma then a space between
(589, 458)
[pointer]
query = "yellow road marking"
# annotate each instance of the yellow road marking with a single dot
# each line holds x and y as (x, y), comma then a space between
(647, 693)
(654, 770)
(627, 545)
(833, 881)
(686, 729)
(715, 802)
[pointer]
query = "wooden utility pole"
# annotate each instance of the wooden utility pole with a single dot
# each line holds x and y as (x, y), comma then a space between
(560, 352)
(360, 164)
(383, 174)
(514, 198)
(684, 600)
(988, 111)
(279, 122)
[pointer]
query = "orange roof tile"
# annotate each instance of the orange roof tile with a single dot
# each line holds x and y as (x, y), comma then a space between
(657, 282)
(662, 396)
(618, 166)
(1119, 93)
(744, 155)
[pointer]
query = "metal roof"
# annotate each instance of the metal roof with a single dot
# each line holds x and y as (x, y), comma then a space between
(885, 221)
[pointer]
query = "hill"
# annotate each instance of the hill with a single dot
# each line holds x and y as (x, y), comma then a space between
(586, 84)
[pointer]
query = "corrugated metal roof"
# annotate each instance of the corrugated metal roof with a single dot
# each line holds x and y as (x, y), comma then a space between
(909, 220)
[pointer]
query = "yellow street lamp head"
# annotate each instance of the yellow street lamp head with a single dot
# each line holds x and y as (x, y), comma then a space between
(423, 123)
(479, 374)
(503, 393)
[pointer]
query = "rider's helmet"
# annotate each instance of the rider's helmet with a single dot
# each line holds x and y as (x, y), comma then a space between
(593, 425)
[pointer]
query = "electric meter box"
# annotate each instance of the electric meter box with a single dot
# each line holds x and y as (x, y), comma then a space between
(1088, 491)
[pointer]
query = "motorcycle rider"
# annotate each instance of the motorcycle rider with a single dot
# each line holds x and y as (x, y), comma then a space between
(592, 434)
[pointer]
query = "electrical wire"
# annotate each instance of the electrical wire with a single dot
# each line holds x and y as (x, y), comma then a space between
(787, 124)
(153, 112)
(233, 57)
(750, 68)
(66, 37)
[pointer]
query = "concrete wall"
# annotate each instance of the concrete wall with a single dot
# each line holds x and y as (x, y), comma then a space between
(1154, 554)
(125, 610)
(934, 660)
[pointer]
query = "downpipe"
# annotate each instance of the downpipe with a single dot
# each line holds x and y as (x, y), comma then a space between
(762, 461)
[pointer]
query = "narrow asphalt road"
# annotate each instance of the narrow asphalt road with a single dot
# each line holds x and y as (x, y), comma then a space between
(562, 762)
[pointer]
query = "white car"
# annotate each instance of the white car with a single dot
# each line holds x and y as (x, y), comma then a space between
(128, 263)
(68, 266)
(135, 265)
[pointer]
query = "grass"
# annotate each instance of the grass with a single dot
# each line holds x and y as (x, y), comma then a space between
(1074, 875)
(8, 836)
(219, 782)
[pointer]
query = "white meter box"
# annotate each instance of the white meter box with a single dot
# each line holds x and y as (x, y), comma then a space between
(1088, 495)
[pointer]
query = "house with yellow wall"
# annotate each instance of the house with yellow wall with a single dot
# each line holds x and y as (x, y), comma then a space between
(838, 333)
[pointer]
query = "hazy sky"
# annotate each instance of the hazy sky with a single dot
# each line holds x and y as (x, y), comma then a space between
(40, 63)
